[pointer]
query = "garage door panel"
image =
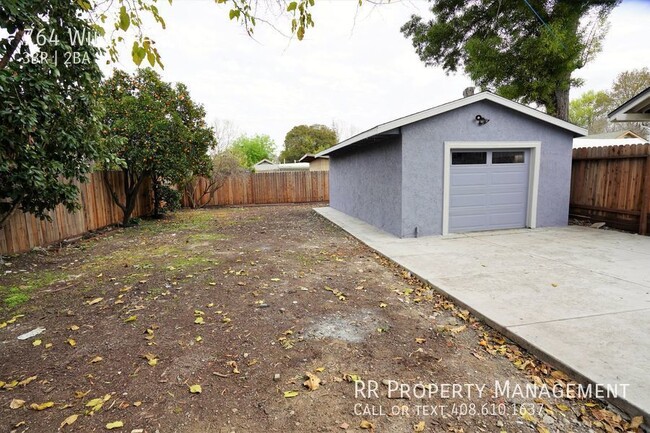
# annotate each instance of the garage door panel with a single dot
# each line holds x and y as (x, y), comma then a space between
(488, 196)
(463, 178)
(469, 200)
(514, 199)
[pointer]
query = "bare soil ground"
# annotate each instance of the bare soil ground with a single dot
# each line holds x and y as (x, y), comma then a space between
(282, 319)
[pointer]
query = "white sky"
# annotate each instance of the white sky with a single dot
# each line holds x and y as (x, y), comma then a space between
(354, 67)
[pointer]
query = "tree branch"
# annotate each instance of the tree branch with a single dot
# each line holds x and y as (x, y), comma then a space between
(12, 48)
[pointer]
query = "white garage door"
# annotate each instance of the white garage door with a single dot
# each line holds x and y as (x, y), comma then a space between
(488, 189)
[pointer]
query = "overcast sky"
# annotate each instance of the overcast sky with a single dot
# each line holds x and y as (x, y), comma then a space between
(354, 68)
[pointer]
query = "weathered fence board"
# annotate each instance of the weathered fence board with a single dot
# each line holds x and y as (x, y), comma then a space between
(266, 188)
(612, 184)
(24, 231)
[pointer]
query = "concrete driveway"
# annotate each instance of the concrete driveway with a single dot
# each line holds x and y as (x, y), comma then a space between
(577, 297)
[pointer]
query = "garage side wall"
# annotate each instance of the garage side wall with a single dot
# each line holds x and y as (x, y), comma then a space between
(367, 184)
(423, 151)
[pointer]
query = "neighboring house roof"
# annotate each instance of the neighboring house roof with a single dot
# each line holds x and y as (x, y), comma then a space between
(600, 142)
(309, 157)
(636, 109)
(626, 133)
(293, 166)
(391, 128)
(263, 162)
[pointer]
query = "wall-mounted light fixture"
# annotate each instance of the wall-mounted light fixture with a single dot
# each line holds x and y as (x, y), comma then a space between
(481, 120)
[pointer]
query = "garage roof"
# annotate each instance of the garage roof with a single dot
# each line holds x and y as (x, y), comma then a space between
(391, 128)
(637, 109)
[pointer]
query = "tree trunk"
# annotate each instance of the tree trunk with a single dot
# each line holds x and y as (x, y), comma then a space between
(155, 186)
(131, 188)
(562, 104)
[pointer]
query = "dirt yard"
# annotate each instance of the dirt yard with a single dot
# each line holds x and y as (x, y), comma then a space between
(252, 320)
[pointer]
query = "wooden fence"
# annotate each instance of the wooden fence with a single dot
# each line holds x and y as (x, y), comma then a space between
(23, 232)
(267, 188)
(612, 184)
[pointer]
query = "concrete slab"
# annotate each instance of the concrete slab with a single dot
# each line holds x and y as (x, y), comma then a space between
(575, 296)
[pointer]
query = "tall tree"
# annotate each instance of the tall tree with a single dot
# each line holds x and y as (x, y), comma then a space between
(590, 111)
(526, 50)
(628, 84)
(252, 150)
(49, 131)
(304, 139)
(156, 131)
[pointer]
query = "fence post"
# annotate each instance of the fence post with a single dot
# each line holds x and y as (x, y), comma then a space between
(645, 198)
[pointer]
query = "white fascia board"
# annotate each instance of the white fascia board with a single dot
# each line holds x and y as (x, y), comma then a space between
(630, 117)
(398, 123)
(643, 98)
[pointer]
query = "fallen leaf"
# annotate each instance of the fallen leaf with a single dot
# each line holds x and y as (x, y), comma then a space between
(196, 389)
(131, 319)
(26, 382)
(113, 425)
(137, 403)
(96, 359)
(199, 320)
(16, 403)
(226, 320)
(458, 329)
(95, 301)
(562, 407)
(420, 340)
(290, 394)
(320, 369)
(383, 305)
(69, 420)
(542, 429)
(36, 343)
(74, 328)
(366, 425)
(42, 406)
(313, 382)
(152, 359)
(635, 423)
(527, 415)
(233, 364)
(419, 427)
(80, 394)
(344, 426)
(48, 345)
(71, 342)
(198, 338)
(351, 377)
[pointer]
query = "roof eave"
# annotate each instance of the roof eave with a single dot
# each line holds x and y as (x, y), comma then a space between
(431, 112)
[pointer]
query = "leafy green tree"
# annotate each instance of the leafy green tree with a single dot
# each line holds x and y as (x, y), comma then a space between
(304, 139)
(155, 131)
(590, 111)
(628, 84)
(525, 50)
(49, 130)
(251, 150)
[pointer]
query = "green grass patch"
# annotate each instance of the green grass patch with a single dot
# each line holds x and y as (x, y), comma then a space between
(15, 296)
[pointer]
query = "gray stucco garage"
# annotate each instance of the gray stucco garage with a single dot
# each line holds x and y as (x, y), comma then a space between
(479, 163)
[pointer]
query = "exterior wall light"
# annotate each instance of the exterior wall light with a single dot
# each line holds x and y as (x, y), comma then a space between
(481, 120)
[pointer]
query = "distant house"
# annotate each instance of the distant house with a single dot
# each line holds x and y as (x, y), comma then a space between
(316, 163)
(265, 166)
(616, 138)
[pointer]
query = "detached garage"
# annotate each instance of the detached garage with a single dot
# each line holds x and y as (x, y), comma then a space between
(479, 163)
